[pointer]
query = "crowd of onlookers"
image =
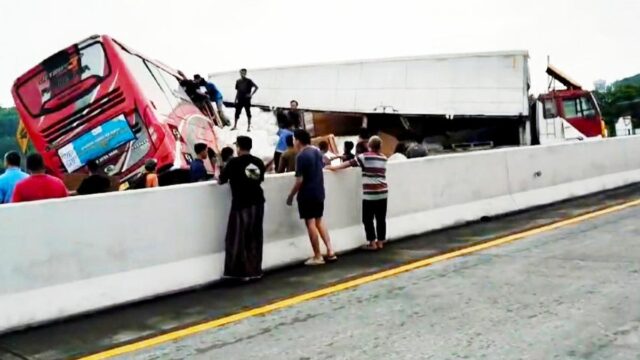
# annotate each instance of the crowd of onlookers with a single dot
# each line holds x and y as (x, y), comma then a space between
(244, 172)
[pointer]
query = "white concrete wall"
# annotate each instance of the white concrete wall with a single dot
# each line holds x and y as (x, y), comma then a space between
(64, 257)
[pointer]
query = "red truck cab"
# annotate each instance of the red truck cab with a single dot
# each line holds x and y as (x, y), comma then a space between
(573, 104)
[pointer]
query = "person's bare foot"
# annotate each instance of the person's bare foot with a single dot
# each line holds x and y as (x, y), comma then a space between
(371, 246)
(379, 245)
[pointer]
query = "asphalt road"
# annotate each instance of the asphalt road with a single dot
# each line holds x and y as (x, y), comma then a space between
(572, 293)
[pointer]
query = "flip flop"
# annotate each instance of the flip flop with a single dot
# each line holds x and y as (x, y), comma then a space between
(332, 258)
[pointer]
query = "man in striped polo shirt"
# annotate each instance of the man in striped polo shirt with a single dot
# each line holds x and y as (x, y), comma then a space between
(374, 192)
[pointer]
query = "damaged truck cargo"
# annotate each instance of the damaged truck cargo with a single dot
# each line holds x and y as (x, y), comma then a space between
(447, 102)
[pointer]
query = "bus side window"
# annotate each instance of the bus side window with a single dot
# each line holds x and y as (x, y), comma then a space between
(150, 87)
(550, 109)
(174, 85)
(171, 98)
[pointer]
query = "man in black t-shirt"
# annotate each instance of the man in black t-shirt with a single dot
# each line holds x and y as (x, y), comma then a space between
(94, 183)
(243, 252)
(245, 89)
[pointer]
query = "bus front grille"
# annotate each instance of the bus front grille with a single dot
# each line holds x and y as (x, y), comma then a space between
(83, 116)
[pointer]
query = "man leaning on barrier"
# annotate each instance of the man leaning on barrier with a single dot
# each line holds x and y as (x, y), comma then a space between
(243, 242)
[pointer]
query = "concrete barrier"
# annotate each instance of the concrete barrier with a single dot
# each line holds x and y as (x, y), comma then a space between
(65, 257)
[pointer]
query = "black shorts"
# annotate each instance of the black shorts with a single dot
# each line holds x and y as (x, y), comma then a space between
(310, 209)
(243, 104)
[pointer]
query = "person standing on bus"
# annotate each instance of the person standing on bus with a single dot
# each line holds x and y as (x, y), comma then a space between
(38, 186)
(309, 188)
(215, 96)
(243, 242)
(12, 175)
(245, 89)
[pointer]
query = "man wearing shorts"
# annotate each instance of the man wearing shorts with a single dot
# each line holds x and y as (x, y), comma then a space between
(309, 188)
(245, 89)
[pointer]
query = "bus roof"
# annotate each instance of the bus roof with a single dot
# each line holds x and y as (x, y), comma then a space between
(29, 73)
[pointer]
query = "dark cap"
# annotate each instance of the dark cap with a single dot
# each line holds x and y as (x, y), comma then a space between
(244, 143)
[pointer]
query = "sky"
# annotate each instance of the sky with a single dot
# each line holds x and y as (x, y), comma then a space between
(587, 39)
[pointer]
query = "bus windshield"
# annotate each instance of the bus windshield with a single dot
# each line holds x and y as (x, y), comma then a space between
(64, 77)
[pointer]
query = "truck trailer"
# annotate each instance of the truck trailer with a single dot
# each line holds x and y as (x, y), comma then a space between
(448, 101)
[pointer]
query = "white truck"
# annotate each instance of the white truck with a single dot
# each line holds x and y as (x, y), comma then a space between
(456, 101)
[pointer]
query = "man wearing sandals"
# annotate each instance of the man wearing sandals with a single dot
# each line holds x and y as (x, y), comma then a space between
(309, 188)
(374, 191)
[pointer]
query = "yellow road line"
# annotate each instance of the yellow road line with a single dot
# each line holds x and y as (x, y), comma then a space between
(175, 335)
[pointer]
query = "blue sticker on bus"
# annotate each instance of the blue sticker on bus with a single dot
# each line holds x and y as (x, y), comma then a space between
(96, 143)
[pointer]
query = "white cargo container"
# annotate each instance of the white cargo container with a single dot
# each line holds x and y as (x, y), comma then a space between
(480, 84)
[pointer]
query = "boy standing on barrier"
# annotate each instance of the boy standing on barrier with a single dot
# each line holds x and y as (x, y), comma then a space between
(374, 192)
(309, 188)
(243, 243)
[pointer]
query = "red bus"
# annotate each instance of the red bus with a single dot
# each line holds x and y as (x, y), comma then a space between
(101, 100)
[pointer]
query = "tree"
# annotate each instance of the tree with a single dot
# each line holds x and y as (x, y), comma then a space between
(8, 127)
(619, 100)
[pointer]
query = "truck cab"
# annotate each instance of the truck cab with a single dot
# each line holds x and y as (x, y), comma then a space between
(570, 113)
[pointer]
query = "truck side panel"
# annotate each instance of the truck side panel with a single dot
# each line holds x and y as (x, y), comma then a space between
(491, 84)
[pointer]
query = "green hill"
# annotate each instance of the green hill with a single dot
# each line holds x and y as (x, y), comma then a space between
(632, 80)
